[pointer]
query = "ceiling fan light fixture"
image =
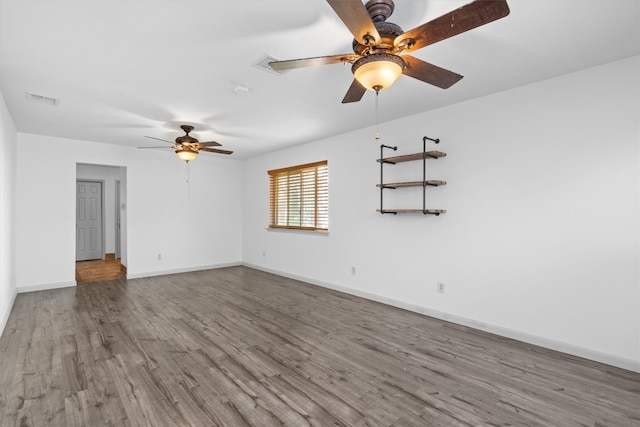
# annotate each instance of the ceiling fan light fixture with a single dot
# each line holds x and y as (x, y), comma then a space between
(378, 71)
(186, 154)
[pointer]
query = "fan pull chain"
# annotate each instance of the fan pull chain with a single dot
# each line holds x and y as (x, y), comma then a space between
(188, 183)
(377, 117)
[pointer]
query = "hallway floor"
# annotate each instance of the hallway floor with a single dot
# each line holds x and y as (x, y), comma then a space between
(99, 270)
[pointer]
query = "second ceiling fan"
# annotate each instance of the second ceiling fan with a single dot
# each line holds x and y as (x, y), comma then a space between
(377, 44)
(187, 147)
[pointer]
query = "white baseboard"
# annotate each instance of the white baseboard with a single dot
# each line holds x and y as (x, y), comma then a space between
(609, 359)
(46, 286)
(5, 316)
(182, 270)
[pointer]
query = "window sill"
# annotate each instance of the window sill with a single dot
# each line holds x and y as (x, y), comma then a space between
(297, 231)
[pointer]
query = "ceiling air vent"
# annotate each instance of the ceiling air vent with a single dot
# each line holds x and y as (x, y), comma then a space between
(264, 65)
(41, 99)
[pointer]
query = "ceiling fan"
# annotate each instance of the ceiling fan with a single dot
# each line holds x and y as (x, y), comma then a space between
(188, 147)
(376, 61)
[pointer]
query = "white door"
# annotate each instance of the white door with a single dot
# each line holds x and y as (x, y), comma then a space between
(88, 220)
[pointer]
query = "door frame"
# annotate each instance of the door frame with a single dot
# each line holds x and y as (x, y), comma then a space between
(102, 227)
(117, 202)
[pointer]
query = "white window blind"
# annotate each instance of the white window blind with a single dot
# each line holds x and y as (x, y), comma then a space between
(299, 197)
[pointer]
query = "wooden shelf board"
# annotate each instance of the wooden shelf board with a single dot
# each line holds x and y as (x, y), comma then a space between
(410, 157)
(420, 211)
(431, 182)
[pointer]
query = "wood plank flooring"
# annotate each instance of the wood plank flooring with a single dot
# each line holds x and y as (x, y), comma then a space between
(99, 270)
(240, 347)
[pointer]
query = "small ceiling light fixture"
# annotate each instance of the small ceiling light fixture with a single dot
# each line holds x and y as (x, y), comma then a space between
(186, 154)
(240, 90)
(378, 71)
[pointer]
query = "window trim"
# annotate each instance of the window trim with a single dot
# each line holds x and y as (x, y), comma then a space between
(273, 197)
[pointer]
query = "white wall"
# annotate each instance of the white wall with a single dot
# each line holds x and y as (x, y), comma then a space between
(8, 142)
(541, 238)
(193, 229)
(108, 175)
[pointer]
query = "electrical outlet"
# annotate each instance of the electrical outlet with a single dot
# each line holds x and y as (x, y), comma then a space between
(159, 257)
(441, 287)
(264, 254)
(353, 270)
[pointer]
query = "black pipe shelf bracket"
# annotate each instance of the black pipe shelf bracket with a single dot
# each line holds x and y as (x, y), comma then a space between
(424, 155)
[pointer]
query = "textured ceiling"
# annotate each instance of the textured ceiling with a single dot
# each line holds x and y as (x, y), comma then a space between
(126, 69)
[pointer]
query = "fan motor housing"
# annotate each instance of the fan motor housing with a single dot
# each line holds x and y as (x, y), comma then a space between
(388, 32)
(186, 139)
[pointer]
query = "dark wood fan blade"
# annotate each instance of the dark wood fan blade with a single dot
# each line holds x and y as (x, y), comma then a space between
(355, 93)
(216, 150)
(210, 144)
(311, 62)
(429, 73)
(463, 19)
(163, 140)
(161, 148)
(355, 16)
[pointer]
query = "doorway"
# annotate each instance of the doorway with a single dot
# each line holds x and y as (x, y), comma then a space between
(100, 223)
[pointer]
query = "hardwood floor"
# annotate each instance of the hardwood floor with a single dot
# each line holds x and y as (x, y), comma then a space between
(99, 270)
(238, 347)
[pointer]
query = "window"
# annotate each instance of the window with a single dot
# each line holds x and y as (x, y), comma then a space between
(299, 197)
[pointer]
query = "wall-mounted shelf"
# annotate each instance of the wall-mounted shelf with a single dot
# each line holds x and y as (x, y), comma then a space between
(411, 157)
(425, 212)
(423, 155)
(430, 182)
